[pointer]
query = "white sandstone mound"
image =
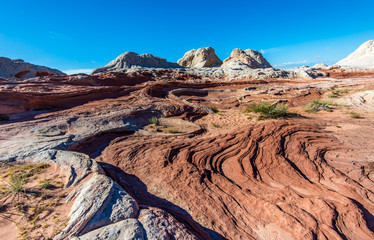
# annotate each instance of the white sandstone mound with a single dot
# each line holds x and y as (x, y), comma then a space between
(363, 57)
(129, 59)
(242, 59)
(202, 57)
(17, 68)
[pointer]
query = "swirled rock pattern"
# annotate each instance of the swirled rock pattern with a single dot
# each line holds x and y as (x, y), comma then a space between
(231, 177)
(265, 180)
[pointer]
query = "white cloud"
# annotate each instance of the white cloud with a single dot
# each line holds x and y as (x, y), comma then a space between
(297, 63)
(75, 71)
(270, 50)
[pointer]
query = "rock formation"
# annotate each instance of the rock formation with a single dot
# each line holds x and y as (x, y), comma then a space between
(230, 178)
(129, 59)
(17, 68)
(241, 59)
(362, 57)
(202, 57)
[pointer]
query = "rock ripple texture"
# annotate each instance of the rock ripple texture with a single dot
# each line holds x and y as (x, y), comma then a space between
(17, 68)
(130, 59)
(202, 57)
(363, 57)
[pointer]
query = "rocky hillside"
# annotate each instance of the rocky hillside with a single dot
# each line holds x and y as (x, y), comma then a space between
(362, 57)
(129, 59)
(17, 68)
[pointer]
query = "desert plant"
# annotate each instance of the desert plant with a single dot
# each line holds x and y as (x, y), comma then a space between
(154, 120)
(318, 105)
(214, 109)
(337, 93)
(216, 125)
(355, 115)
(268, 110)
(46, 185)
(171, 130)
(16, 183)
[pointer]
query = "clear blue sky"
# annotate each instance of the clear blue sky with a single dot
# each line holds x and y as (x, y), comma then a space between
(84, 34)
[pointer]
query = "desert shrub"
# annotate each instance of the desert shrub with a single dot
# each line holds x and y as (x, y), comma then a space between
(338, 93)
(318, 105)
(154, 120)
(3, 117)
(268, 110)
(16, 183)
(214, 109)
(171, 130)
(355, 115)
(216, 125)
(46, 185)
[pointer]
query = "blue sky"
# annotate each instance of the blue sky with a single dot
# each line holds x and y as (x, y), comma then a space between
(88, 34)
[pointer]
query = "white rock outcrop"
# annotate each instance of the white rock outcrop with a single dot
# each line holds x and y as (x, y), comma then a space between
(244, 59)
(129, 59)
(17, 68)
(199, 58)
(363, 57)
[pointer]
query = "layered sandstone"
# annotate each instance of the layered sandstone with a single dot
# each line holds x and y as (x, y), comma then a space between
(199, 58)
(129, 59)
(241, 59)
(17, 68)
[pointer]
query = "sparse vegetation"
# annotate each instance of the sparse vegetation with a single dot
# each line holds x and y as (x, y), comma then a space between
(268, 110)
(337, 93)
(338, 126)
(216, 125)
(154, 120)
(319, 105)
(214, 109)
(16, 183)
(355, 115)
(29, 201)
(171, 130)
(4, 118)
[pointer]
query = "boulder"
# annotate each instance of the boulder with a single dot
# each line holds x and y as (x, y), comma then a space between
(158, 224)
(99, 202)
(242, 59)
(202, 57)
(17, 68)
(130, 59)
(363, 57)
(125, 230)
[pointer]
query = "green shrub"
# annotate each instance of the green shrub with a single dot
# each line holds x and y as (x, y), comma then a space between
(154, 120)
(171, 130)
(319, 105)
(268, 110)
(46, 185)
(16, 183)
(214, 109)
(337, 93)
(216, 125)
(355, 115)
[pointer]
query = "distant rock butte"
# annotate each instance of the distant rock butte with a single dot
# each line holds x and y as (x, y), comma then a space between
(129, 59)
(241, 59)
(202, 57)
(17, 68)
(363, 57)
